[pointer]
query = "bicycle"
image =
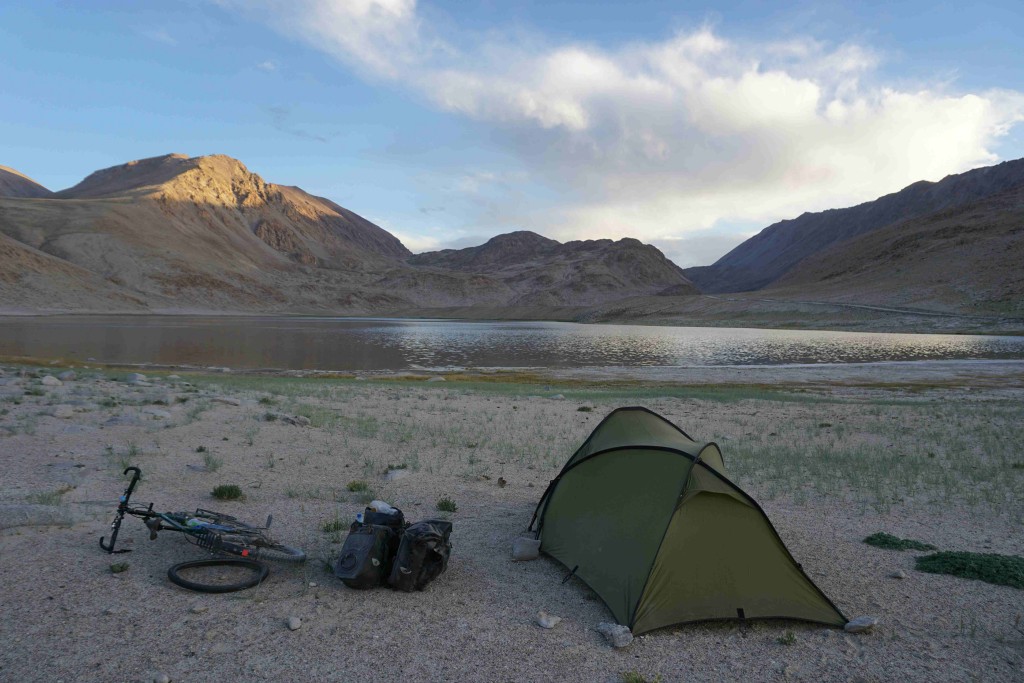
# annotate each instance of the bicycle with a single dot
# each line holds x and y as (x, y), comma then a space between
(214, 531)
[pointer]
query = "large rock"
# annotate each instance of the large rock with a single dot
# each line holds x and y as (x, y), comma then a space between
(617, 635)
(861, 624)
(51, 381)
(524, 549)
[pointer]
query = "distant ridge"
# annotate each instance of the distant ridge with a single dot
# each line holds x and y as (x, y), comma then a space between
(16, 184)
(179, 233)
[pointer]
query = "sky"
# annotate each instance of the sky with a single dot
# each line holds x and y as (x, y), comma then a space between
(688, 125)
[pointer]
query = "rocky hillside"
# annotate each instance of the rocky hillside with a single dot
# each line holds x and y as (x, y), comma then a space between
(967, 258)
(777, 249)
(542, 271)
(15, 184)
(176, 233)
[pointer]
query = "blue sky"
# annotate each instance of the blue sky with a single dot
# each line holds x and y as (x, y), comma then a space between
(689, 125)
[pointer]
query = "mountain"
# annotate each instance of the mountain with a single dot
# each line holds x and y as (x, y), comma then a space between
(178, 234)
(542, 271)
(15, 184)
(966, 258)
(770, 254)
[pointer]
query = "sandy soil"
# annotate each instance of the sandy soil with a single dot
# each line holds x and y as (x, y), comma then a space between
(937, 461)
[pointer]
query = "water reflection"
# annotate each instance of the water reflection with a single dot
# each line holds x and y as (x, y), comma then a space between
(379, 344)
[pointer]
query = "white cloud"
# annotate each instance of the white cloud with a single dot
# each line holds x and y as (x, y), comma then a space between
(268, 65)
(658, 139)
(160, 35)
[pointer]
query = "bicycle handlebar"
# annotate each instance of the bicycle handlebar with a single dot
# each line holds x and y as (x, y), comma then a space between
(121, 509)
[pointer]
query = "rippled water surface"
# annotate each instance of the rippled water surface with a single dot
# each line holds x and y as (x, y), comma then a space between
(381, 344)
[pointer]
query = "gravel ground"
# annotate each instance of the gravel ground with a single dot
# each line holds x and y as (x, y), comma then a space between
(64, 616)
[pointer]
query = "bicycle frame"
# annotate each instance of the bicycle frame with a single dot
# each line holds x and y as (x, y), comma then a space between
(202, 527)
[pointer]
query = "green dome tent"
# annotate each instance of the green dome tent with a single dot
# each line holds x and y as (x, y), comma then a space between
(647, 518)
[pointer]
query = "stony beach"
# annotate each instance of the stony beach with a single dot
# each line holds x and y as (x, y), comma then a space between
(928, 452)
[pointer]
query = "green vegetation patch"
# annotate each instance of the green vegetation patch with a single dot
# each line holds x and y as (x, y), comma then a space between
(227, 492)
(446, 504)
(890, 542)
(1001, 570)
(357, 486)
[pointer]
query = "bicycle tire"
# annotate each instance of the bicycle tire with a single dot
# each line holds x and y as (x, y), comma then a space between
(260, 572)
(280, 553)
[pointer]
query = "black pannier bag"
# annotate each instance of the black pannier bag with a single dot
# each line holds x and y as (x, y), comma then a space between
(395, 520)
(365, 558)
(422, 555)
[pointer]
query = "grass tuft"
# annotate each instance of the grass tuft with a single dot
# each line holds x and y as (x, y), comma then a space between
(446, 504)
(637, 677)
(357, 486)
(119, 567)
(227, 492)
(890, 542)
(787, 638)
(1001, 570)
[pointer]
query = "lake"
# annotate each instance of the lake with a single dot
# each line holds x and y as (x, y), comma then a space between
(401, 344)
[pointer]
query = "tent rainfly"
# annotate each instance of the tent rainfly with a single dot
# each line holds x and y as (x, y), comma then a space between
(649, 520)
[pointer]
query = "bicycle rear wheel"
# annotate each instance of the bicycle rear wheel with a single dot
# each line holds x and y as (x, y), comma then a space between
(253, 574)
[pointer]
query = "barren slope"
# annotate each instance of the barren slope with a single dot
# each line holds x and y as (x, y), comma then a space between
(767, 256)
(970, 258)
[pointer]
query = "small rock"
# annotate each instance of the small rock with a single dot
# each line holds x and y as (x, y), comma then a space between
(294, 623)
(157, 413)
(135, 378)
(617, 635)
(161, 677)
(173, 377)
(436, 379)
(557, 397)
(394, 475)
(898, 574)
(227, 400)
(312, 584)
(199, 608)
(545, 620)
(67, 376)
(525, 549)
(51, 381)
(502, 483)
(64, 412)
(861, 625)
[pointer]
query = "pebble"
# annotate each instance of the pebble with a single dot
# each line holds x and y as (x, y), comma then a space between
(161, 677)
(199, 608)
(861, 624)
(617, 635)
(294, 623)
(898, 574)
(545, 620)
(51, 381)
